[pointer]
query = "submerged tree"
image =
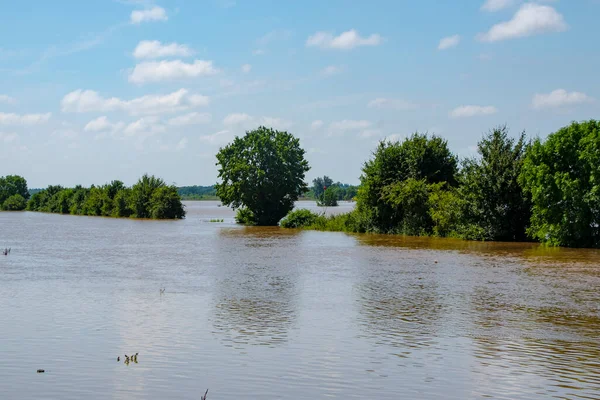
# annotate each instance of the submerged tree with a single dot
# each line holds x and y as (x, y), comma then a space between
(395, 180)
(320, 185)
(263, 173)
(562, 175)
(12, 185)
(496, 207)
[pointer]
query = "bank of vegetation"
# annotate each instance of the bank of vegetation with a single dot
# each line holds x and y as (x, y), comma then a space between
(515, 189)
(193, 193)
(149, 198)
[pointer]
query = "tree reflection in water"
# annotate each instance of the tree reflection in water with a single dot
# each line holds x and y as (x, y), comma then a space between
(255, 295)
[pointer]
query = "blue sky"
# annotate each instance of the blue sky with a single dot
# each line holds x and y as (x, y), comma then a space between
(97, 90)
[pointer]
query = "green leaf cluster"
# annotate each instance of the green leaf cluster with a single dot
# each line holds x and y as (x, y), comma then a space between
(262, 172)
(13, 193)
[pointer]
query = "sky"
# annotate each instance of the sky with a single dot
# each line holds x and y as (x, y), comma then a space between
(92, 91)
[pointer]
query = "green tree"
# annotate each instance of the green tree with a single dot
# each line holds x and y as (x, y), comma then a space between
(495, 201)
(320, 185)
(16, 202)
(165, 203)
(11, 185)
(141, 194)
(423, 159)
(263, 172)
(562, 175)
(329, 197)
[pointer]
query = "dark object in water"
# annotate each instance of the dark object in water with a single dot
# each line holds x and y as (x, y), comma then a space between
(40, 371)
(204, 397)
(118, 358)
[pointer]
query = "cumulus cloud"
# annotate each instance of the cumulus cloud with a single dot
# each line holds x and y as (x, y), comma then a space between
(449, 42)
(341, 127)
(345, 41)
(496, 5)
(472, 111)
(530, 19)
(369, 133)
(144, 127)
(331, 70)
(155, 49)
(393, 104)
(150, 14)
(220, 137)
(246, 68)
(157, 71)
(316, 124)
(192, 118)
(248, 121)
(8, 137)
(560, 98)
(23, 119)
(90, 101)
(7, 99)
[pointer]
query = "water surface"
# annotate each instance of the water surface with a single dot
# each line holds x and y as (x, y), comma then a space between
(265, 313)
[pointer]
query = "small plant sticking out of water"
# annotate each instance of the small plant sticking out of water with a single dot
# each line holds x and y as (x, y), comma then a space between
(216, 220)
(204, 397)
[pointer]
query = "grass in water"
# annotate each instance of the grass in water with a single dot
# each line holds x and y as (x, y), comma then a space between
(216, 220)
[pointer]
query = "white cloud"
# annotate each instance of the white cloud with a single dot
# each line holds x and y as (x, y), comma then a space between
(316, 124)
(236, 119)
(331, 70)
(192, 118)
(89, 101)
(496, 5)
(472, 111)
(7, 99)
(102, 124)
(220, 137)
(23, 119)
(182, 144)
(157, 71)
(368, 133)
(258, 52)
(560, 98)
(395, 137)
(530, 19)
(156, 49)
(8, 137)
(151, 14)
(345, 41)
(246, 68)
(144, 127)
(248, 121)
(449, 42)
(393, 104)
(65, 133)
(341, 127)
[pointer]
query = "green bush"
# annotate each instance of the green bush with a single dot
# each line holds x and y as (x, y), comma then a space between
(245, 216)
(16, 202)
(299, 219)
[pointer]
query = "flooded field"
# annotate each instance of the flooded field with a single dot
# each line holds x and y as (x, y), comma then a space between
(266, 313)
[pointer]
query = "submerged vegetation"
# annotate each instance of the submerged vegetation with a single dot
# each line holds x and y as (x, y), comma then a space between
(514, 190)
(150, 197)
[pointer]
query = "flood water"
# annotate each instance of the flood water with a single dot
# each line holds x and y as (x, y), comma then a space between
(266, 313)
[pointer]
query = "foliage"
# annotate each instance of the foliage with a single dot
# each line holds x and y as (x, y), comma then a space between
(197, 192)
(495, 202)
(245, 216)
(562, 175)
(262, 172)
(320, 185)
(299, 219)
(11, 185)
(150, 197)
(395, 183)
(343, 191)
(16, 202)
(329, 198)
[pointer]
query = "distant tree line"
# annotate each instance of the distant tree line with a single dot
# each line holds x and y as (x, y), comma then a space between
(197, 192)
(150, 197)
(327, 193)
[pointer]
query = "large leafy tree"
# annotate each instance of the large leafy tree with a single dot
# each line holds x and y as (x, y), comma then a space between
(11, 185)
(496, 208)
(562, 175)
(263, 174)
(320, 185)
(422, 159)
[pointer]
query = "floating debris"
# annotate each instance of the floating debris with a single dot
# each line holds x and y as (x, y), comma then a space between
(40, 371)
(204, 397)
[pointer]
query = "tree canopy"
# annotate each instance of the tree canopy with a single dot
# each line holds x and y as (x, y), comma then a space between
(150, 197)
(562, 175)
(496, 207)
(13, 188)
(262, 173)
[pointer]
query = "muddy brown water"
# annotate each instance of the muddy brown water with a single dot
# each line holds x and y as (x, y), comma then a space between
(266, 313)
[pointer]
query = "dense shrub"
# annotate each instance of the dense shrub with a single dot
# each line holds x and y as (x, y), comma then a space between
(16, 202)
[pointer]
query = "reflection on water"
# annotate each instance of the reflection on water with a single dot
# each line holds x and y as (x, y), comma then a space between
(283, 314)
